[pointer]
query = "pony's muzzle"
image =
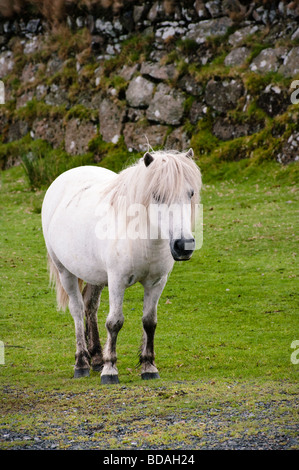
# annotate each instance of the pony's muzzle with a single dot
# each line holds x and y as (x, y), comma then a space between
(182, 248)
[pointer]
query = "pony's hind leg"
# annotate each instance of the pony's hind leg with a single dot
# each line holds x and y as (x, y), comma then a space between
(91, 297)
(76, 306)
(152, 294)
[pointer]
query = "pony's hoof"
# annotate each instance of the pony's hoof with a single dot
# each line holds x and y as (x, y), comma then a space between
(81, 373)
(109, 379)
(150, 375)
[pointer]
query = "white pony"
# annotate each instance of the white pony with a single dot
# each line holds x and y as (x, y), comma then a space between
(94, 237)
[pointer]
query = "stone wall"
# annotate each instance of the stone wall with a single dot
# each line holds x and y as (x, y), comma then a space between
(152, 74)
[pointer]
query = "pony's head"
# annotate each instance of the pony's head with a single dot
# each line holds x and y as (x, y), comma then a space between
(166, 186)
(172, 186)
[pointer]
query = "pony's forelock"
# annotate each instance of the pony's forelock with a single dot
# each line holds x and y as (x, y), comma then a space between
(167, 177)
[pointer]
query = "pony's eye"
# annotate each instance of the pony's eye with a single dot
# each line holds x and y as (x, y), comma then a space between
(157, 197)
(191, 193)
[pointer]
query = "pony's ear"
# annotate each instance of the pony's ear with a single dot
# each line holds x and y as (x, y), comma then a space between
(147, 159)
(190, 153)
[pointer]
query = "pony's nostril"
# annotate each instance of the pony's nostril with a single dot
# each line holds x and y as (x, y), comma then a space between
(183, 245)
(178, 245)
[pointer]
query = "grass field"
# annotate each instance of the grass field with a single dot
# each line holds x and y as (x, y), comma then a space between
(226, 322)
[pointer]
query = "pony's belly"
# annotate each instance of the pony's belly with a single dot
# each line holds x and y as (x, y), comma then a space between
(90, 274)
(75, 248)
(82, 266)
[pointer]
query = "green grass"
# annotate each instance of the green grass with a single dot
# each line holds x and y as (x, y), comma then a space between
(226, 321)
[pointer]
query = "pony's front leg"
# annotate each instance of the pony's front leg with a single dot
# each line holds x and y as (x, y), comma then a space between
(152, 294)
(114, 323)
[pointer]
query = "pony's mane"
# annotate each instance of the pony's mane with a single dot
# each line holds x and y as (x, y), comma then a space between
(166, 178)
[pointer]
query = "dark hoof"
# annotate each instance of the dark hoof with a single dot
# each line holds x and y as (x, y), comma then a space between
(109, 379)
(81, 373)
(97, 367)
(150, 375)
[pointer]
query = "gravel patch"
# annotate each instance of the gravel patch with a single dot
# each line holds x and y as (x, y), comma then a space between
(146, 419)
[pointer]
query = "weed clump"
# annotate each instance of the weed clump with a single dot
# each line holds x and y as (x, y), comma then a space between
(42, 163)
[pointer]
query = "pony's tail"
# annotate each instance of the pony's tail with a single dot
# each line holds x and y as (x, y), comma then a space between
(61, 295)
